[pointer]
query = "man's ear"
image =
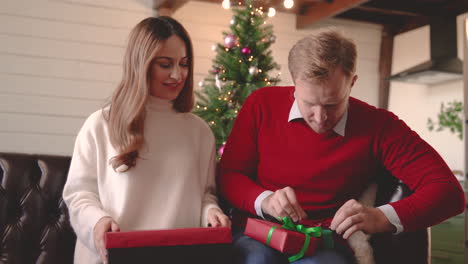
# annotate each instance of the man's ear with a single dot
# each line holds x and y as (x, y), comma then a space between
(353, 81)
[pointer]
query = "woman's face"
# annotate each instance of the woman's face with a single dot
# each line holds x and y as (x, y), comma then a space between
(169, 69)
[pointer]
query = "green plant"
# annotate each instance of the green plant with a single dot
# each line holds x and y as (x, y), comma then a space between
(449, 117)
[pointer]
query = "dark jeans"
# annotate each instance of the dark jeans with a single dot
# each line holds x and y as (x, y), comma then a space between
(249, 251)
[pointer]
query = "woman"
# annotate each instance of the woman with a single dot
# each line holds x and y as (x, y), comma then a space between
(144, 162)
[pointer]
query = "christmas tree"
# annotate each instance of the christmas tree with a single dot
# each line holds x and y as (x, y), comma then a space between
(241, 66)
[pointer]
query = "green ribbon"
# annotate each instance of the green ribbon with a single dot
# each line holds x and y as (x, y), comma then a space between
(307, 231)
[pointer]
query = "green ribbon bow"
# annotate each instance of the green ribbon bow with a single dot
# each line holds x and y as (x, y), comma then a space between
(307, 231)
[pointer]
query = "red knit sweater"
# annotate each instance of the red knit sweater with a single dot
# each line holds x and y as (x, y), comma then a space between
(266, 152)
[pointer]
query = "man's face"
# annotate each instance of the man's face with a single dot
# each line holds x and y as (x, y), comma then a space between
(322, 104)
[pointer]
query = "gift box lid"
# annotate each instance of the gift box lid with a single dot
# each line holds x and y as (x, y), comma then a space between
(169, 237)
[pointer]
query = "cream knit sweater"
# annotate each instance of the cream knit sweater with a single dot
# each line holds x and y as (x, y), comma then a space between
(171, 186)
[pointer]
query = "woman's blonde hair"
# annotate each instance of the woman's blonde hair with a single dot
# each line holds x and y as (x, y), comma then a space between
(127, 106)
(317, 55)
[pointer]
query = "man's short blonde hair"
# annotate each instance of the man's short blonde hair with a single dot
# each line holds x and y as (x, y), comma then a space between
(316, 56)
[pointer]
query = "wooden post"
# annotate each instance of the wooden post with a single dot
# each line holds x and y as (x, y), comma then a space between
(465, 126)
(385, 65)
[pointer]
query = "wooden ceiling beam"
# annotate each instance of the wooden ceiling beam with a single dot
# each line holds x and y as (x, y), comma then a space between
(320, 10)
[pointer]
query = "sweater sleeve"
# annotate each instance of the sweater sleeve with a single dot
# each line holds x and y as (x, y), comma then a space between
(437, 193)
(81, 192)
(208, 165)
(238, 165)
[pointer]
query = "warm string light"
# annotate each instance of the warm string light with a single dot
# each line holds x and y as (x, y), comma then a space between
(288, 3)
(226, 4)
(271, 12)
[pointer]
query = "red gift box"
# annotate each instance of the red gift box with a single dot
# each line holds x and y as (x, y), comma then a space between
(286, 241)
(185, 245)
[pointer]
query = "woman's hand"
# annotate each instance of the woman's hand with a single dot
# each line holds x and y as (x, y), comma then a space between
(104, 225)
(216, 218)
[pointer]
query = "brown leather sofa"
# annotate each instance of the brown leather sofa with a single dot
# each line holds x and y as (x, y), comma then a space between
(35, 227)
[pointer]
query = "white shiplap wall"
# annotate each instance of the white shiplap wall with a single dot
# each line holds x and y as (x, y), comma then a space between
(206, 22)
(415, 103)
(59, 62)
(61, 59)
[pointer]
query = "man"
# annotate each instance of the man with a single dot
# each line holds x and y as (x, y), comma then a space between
(309, 151)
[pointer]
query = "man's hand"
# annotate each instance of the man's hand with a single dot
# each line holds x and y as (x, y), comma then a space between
(353, 216)
(282, 203)
(216, 218)
(104, 225)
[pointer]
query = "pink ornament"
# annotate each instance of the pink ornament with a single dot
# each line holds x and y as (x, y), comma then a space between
(230, 41)
(246, 50)
(221, 150)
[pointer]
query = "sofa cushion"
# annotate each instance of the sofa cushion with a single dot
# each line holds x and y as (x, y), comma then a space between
(34, 223)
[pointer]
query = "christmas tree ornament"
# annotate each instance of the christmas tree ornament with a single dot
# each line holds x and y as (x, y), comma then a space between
(214, 47)
(221, 150)
(246, 50)
(201, 83)
(253, 70)
(272, 38)
(218, 82)
(230, 41)
(232, 22)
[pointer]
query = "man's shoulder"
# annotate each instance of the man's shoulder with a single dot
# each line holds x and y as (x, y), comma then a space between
(272, 95)
(369, 113)
(363, 107)
(272, 91)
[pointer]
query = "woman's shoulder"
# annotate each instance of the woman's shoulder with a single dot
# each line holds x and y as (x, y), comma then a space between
(96, 120)
(197, 122)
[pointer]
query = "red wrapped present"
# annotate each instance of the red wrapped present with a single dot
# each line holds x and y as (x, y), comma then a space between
(287, 238)
(186, 245)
